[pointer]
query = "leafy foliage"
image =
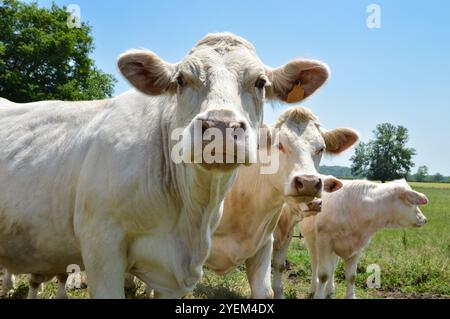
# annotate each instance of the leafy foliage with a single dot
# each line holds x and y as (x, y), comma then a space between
(41, 58)
(422, 174)
(386, 157)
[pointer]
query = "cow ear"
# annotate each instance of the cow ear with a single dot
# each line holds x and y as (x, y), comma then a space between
(297, 80)
(413, 197)
(146, 72)
(332, 184)
(338, 140)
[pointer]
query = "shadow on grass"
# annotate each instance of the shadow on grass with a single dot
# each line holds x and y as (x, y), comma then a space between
(219, 291)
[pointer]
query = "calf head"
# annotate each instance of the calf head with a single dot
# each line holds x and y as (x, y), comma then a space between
(220, 88)
(405, 202)
(300, 146)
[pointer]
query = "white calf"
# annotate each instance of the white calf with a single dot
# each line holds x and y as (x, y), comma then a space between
(349, 219)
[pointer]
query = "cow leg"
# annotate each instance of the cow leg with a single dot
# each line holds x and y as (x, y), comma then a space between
(61, 293)
(350, 276)
(33, 286)
(106, 275)
(279, 265)
(8, 282)
(149, 293)
(324, 268)
(130, 286)
(104, 257)
(34, 283)
(258, 272)
(129, 282)
(314, 273)
(330, 285)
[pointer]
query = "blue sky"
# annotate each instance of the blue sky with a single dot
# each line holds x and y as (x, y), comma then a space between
(399, 73)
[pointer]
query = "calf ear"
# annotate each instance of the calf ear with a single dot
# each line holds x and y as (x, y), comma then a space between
(297, 80)
(339, 140)
(146, 71)
(331, 184)
(413, 197)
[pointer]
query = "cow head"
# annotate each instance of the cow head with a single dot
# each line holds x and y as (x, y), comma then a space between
(405, 202)
(299, 148)
(221, 86)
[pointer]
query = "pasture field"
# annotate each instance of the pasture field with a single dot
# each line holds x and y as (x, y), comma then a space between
(414, 263)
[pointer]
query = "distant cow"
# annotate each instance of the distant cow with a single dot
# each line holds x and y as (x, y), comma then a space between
(252, 208)
(349, 219)
(94, 183)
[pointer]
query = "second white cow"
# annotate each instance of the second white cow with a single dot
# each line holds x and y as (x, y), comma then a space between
(252, 208)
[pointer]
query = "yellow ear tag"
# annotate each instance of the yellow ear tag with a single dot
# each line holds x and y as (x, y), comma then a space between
(297, 94)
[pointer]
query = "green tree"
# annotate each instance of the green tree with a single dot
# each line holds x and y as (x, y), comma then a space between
(361, 160)
(41, 58)
(438, 178)
(422, 174)
(386, 157)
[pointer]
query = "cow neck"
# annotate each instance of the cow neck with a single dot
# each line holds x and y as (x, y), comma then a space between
(256, 194)
(199, 194)
(203, 193)
(382, 210)
(370, 214)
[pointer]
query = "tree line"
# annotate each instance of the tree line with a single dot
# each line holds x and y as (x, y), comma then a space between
(421, 174)
(385, 157)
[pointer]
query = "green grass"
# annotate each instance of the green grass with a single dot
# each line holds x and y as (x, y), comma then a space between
(430, 185)
(414, 263)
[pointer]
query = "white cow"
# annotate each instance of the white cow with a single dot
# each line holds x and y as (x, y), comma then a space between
(252, 208)
(349, 219)
(93, 183)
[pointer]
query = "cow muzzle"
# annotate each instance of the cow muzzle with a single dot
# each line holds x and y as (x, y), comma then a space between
(303, 200)
(304, 188)
(222, 141)
(307, 186)
(421, 220)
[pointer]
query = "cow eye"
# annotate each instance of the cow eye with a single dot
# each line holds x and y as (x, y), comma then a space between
(320, 151)
(260, 83)
(180, 81)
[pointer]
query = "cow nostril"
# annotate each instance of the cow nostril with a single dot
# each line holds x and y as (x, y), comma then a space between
(318, 185)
